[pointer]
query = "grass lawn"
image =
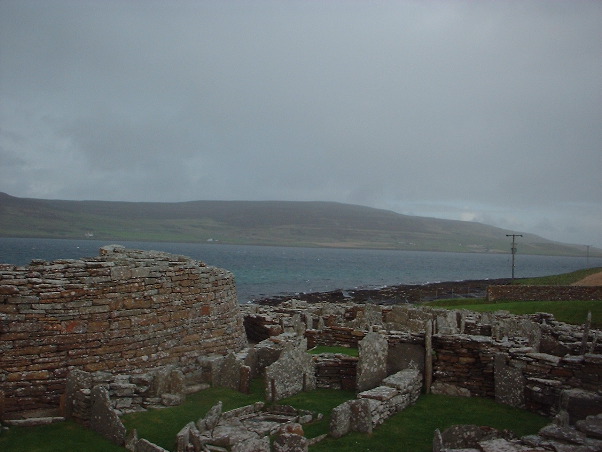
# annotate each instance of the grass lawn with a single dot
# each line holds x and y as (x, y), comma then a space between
(161, 426)
(60, 437)
(321, 401)
(564, 279)
(412, 429)
(342, 350)
(574, 312)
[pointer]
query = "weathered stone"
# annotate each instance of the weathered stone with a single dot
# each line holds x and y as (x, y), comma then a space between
(183, 437)
(126, 311)
(103, 419)
(580, 404)
(144, 445)
(340, 420)
(565, 434)
(172, 399)
(403, 356)
(289, 442)
(467, 436)
(591, 426)
(252, 445)
(211, 419)
(509, 383)
(372, 364)
(361, 415)
(294, 372)
(502, 445)
(131, 439)
(449, 389)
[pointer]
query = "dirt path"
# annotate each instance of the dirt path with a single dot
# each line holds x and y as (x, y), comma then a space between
(591, 280)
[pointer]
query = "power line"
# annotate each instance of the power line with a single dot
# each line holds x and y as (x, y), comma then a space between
(513, 249)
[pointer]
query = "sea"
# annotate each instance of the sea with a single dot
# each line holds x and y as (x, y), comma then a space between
(268, 271)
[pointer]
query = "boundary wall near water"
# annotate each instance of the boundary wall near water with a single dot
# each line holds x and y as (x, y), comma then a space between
(543, 293)
(121, 312)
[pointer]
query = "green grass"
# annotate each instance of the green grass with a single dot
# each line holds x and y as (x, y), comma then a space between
(574, 312)
(412, 429)
(342, 350)
(321, 401)
(60, 437)
(161, 426)
(564, 279)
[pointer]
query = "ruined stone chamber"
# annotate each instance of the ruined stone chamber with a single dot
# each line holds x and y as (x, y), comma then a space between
(125, 311)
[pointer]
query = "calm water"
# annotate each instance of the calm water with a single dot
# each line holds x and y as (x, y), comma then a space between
(267, 271)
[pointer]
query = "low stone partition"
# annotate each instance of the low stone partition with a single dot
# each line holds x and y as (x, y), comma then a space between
(539, 382)
(464, 365)
(375, 406)
(121, 312)
(336, 371)
(539, 357)
(247, 429)
(127, 393)
(334, 336)
(543, 293)
(293, 372)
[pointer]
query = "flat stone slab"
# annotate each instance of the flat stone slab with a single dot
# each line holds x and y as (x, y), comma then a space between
(591, 426)
(563, 434)
(502, 445)
(402, 379)
(544, 357)
(380, 393)
(33, 421)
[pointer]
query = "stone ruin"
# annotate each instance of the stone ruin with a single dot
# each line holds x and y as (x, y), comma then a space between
(125, 311)
(132, 330)
(532, 362)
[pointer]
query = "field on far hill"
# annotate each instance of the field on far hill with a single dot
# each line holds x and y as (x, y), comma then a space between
(280, 223)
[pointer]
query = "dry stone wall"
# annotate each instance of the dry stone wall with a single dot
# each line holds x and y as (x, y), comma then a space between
(123, 311)
(543, 293)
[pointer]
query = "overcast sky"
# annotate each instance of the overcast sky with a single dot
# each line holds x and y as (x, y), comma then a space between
(486, 111)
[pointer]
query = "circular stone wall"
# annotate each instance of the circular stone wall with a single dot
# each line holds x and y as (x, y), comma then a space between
(124, 311)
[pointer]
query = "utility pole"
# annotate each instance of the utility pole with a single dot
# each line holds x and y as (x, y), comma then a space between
(587, 255)
(513, 249)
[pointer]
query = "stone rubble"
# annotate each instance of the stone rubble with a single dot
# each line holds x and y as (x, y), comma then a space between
(584, 438)
(141, 330)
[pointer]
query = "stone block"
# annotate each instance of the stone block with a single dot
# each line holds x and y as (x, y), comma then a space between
(372, 363)
(289, 442)
(361, 415)
(103, 419)
(380, 393)
(144, 445)
(580, 404)
(509, 383)
(340, 420)
(294, 372)
(253, 445)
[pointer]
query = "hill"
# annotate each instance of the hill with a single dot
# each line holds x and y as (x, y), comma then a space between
(284, 223)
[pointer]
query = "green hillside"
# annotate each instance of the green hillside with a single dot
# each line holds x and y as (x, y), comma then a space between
(314, 224)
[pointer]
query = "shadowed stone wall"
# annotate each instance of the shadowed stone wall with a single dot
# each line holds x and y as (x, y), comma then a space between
(123, 311)
(543, 293)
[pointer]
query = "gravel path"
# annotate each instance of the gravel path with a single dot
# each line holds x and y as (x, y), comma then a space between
(591, 280)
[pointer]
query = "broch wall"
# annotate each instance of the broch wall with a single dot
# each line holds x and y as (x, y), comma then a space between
(125, 311)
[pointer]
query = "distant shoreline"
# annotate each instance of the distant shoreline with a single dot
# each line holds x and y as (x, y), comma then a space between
(396, 294)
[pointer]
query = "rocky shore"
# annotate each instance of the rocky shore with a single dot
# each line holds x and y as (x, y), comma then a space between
(391, 295)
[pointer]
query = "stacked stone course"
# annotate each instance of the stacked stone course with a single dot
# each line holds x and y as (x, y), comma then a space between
(543, 293)
(123, 311)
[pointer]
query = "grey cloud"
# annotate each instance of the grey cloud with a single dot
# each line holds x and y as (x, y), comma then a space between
(487, 111)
